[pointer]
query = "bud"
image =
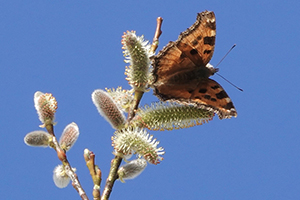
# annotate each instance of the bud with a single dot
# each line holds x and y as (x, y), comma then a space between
(167, 116)
(86, 154)
(69, 136)
(137, 53)
(128, 140)
(60, 176)
(108, 109)
(46, 106)
(37, 139)
(132, 169)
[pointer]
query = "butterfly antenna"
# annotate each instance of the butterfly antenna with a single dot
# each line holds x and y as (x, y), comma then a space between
(240, 89)
(225, 55)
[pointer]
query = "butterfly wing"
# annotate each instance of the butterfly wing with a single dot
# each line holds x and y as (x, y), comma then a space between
(210, 95)
(205, 94)
(198, 42)
(180, 69)
(193, 49)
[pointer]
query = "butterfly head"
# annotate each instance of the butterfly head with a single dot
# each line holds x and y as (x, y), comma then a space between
(211, 69)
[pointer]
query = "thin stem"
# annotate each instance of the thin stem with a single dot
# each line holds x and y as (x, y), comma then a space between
(75, 181)
(137, 99)
(112, 177)
(94, 171)
(157, 34)
(67, 166)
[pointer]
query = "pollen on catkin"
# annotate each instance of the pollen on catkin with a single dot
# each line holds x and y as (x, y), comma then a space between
(168, 116)
(123, 98)
(137, 54)
(137, 140)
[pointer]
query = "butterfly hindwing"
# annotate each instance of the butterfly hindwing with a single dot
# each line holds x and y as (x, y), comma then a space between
(210, 93)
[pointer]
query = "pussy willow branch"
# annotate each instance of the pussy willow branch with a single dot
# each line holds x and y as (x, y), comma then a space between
(112, 177)
(95, 173)
(157, 34)
(116, 162)
(139, 94)
(137, 99)
(63, 158)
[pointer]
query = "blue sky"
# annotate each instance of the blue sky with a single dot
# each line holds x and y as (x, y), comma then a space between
(71, 48)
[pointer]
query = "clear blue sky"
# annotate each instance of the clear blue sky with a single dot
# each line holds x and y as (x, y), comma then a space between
(71, 48)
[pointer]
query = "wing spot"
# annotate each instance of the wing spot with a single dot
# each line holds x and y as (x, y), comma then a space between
(211, 24)
(209, 40)
(207, 52)
(193, 52)
(207, 96)
(195, 42)
(213, 99)
(229, 106)
(199, 37)
(221, 95)
(203, 90)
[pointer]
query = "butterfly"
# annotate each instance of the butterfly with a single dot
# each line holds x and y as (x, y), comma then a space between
(181, 69)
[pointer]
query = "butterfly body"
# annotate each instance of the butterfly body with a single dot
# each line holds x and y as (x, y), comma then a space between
(182, 69)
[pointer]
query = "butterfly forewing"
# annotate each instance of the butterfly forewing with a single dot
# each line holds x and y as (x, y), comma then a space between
(198, 41)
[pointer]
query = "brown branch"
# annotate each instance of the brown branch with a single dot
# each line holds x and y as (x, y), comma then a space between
(137, 99)
(75, 181)
(63, 158)
(157, 34)
(112, 177)
(94, 171)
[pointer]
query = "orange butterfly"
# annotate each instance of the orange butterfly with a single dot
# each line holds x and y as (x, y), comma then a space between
(182, 69)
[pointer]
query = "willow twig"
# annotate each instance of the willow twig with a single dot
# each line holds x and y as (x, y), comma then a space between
(157, 34)
(67, 166)
(112, 177)
(94, 171)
